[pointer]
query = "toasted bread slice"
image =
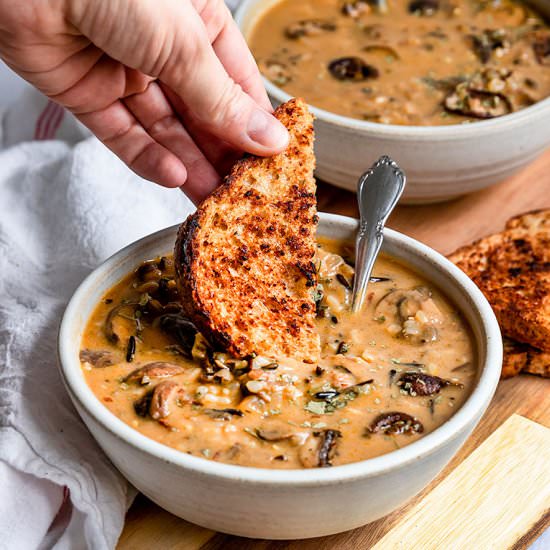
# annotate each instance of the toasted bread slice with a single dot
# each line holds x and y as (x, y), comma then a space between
(514, 359)
(538, 362)
(523, 358)
(512, 269)
(245, 258)
(534, 221)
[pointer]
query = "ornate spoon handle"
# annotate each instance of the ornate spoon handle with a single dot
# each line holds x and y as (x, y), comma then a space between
(378, 191)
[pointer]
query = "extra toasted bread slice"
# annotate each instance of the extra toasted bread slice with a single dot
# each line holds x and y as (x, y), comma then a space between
(534, 221)
(523, 358)
(514, 359)
(538, 362)
(245, 258)
(512, 269)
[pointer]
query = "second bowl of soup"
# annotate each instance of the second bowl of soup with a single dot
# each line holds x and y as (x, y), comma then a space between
(457, 91)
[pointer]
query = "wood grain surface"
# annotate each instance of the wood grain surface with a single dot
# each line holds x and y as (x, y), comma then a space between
(444, 227)
(476, 505)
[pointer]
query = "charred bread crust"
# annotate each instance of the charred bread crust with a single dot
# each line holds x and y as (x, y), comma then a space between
(512, 269)
(534, 219)
(244, 259)
(189, 297)
(514, 359)
(520, 357)
(538, 362)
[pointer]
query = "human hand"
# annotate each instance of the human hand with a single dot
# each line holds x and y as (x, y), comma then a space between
(168, 85)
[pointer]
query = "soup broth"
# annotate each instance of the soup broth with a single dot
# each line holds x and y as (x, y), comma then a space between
(412, 62)
(387, 376)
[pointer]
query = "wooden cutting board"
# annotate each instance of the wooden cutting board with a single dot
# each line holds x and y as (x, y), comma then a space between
(443, 227)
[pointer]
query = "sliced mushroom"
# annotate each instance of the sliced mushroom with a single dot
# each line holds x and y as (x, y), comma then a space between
(222, 414)
(419, 383)
(149, 287)
(161, 397)
(110, 332)
(477, 104)
(423, 7)
(400, 302)
(319, 448)
(309, 27)
(396, 423)
(166, 264)
(489, 40)
(233, 451)
(157, 369)
(541, 47)
(409, 304)
(216, 364)
(98, 358)
(141, 406)
(168, 296)
(400, 308)
(226, 361)
(275, 431)
(149, 271)
(181, 329)
(352, 68)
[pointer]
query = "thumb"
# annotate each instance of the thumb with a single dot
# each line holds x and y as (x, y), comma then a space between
(170, 42)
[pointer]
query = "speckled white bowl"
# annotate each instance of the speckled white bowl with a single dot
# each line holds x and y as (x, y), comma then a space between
(280, 504)
(441, 162)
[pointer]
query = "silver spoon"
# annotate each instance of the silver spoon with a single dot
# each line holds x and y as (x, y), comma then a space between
(378, 191)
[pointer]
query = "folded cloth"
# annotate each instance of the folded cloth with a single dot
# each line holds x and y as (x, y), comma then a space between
(66, 205)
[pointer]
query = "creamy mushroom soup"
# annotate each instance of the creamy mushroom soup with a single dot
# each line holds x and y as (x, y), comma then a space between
(414, 62)
(387, 376)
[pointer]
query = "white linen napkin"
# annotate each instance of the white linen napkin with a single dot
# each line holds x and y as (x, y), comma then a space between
(65, 206)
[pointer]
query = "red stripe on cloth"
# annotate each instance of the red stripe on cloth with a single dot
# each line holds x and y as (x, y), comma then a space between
(39, 128)
(54, 122)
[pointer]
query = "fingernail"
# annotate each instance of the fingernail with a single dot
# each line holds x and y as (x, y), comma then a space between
(266, 130)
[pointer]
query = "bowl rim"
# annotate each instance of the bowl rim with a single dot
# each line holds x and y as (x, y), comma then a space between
(477, 401)
(448, 131)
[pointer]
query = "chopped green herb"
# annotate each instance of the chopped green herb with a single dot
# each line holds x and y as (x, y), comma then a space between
(334, 399)
(316, 407)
